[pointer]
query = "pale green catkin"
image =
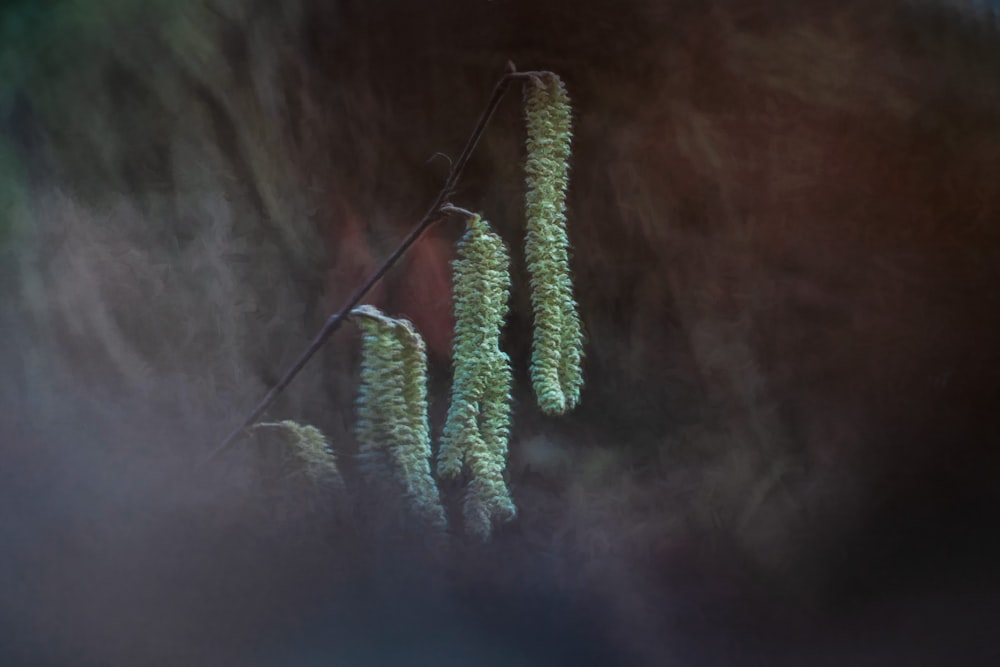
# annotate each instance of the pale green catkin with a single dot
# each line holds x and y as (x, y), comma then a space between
(378, 403)
(312, 450)
(477, 428)
(557, 349)
(392, 412)
(414, 459)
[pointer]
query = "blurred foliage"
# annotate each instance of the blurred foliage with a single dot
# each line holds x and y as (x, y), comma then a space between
(11, 195)
(42, 39)
(45, 49)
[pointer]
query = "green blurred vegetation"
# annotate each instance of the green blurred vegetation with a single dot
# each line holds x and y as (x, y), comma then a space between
(45, 46)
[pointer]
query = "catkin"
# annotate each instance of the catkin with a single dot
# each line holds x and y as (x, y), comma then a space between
(392, 413)
(557, 348)
(314, 454)
(477, 428)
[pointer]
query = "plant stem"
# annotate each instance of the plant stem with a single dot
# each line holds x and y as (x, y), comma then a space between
(434, 213)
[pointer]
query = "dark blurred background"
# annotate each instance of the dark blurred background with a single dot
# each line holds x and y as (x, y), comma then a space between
(787, 251)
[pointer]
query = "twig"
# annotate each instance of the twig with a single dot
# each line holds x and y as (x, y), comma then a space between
(434, 213)
(465, 213)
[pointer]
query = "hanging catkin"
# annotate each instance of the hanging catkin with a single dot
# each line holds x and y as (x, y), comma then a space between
(557, 348)
(477, 429)
(392, 428)
(314, 454)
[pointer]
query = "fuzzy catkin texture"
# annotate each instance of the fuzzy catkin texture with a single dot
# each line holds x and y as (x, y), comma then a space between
(414, 459)
(392, 428)
(297, 481)
(477, 428)
(316, 458)
(557, 349)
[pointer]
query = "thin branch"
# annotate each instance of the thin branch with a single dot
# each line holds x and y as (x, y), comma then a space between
(434, 213)
(465, 213)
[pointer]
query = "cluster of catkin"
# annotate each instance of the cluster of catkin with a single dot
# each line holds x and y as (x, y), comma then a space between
(392, 419)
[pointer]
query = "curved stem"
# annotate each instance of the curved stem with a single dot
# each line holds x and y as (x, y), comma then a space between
(449, 208)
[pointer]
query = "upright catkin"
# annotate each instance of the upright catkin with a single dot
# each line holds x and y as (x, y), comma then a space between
(392, 412)
(557, 348)
(477, 428)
